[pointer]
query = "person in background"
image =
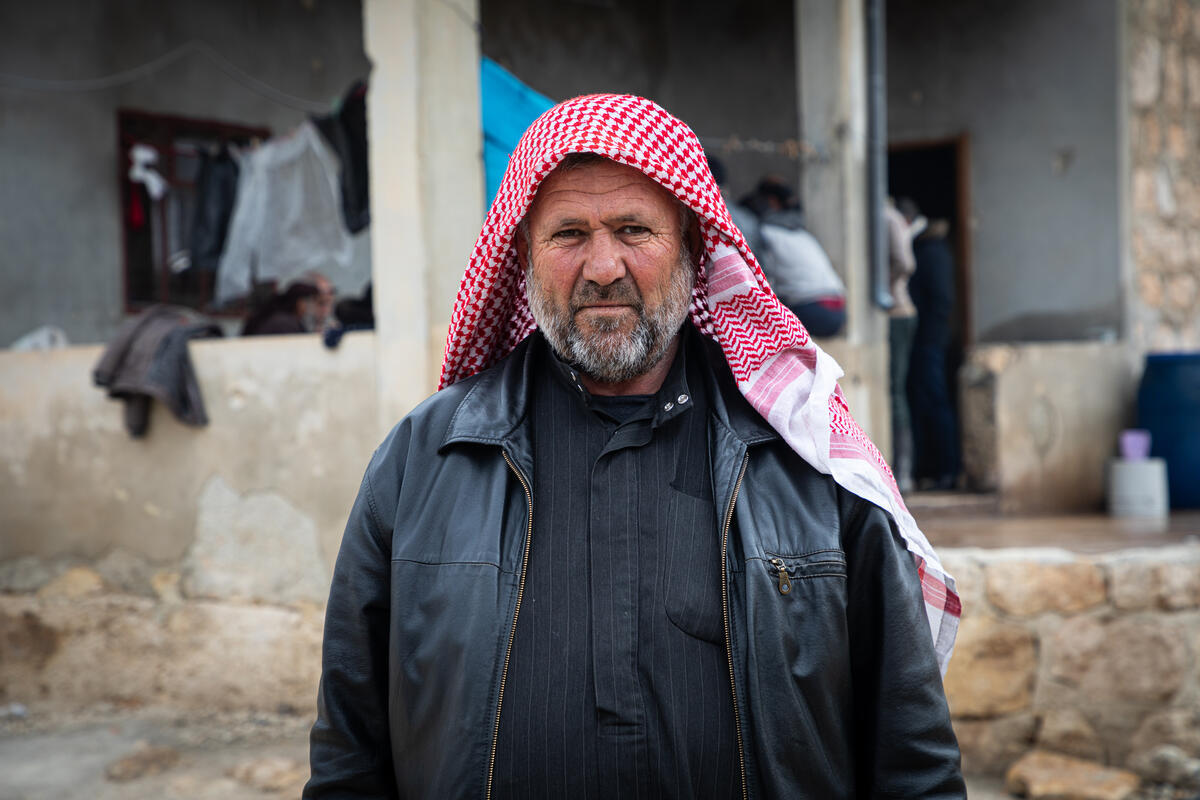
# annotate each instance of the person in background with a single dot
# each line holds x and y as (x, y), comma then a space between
(305, 306)
(772, 220)
(902, 327)
(934, 423)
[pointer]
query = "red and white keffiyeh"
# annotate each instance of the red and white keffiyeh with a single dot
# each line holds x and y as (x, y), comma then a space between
(784, 374)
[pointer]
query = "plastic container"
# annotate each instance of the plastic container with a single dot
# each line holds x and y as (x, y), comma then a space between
(1169, 407)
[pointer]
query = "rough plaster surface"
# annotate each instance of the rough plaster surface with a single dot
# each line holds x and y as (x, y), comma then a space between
(287, 417)
(1044, 422)
(257, 548)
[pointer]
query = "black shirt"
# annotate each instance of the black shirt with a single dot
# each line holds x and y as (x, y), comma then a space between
(618, 684)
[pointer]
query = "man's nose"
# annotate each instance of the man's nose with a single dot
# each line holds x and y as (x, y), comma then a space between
(604, 262)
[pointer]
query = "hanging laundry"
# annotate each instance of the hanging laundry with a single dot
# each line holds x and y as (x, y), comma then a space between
(142, 159)
(149, 359)
(216, 191)
(346, 132)
(287, 218)
(508, 107)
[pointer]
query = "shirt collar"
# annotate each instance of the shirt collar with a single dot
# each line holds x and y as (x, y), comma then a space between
(673, 398)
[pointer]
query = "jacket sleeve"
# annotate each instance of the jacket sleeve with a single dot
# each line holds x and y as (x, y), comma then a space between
(904, 743)
(350, 748)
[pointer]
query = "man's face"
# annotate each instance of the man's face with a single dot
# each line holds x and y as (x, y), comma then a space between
(608, 276)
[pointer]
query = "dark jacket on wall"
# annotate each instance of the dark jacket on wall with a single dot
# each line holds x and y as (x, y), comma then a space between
(836, 687)
(149, 359)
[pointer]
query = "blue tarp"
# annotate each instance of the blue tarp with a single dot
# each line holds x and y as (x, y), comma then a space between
(508, 107)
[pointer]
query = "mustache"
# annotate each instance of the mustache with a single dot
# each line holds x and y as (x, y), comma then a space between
(622, 292)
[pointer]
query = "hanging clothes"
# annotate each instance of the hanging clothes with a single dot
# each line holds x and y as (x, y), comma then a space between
(287, 218)
(148, 359)
(346, 132)
(216, 192)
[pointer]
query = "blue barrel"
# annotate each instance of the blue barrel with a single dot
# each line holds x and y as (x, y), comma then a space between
(1169, 407)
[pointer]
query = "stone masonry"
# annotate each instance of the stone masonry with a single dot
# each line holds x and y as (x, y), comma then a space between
(1164, 139)
(1093, 657)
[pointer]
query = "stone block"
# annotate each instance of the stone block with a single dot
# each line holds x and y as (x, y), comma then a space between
(1144, 202)
(1177, 143)
(1177, 726)
(1192, 68)
(1172, 81)
(993, 668)
(991, 746)
(1178, 586)
(1168, 764)
(1145, 66)
(1133, 585)
(1042, 776)
(1150, 289)
(1147, 141)
(969, 581)
(1067, 731)
(1026, 588)
(1164, 194)
(1138, 659)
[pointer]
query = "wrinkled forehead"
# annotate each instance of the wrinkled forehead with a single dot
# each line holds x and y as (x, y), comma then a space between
(584, 179)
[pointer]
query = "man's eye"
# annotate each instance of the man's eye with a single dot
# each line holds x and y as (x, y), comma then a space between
(634, 230)
(568, 233)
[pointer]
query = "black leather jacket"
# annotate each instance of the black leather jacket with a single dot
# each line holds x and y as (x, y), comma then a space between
(836, 687)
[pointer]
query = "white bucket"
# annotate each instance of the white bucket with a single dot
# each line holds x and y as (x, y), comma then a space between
(1137, 488)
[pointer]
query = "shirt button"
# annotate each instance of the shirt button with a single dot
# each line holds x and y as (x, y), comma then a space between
(668, 406)
(683, 398)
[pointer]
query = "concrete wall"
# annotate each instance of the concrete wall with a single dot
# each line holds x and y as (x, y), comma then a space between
(1040, 422)
(727, 69)
(1036, 87)
(291, 429)
(60, 235)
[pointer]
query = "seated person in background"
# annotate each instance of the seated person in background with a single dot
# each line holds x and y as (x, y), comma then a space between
(304, 307)
(771, 219)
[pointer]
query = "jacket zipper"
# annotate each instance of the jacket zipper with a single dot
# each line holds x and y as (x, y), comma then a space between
(516, 611)
(785, 580)
(725, 611)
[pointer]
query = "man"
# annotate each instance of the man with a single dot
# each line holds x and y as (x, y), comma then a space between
(590, 566)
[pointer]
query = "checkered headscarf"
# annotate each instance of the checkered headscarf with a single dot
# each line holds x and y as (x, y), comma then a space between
(785, 376)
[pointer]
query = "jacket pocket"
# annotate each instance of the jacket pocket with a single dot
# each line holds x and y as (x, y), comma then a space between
(693, 569)
(784, 570)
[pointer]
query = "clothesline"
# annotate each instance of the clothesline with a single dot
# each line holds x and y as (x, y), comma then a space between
(157, 65)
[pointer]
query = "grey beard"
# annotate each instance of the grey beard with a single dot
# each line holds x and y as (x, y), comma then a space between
(610, 356)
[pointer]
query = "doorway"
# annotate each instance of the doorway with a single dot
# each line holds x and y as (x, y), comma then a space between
(933, 174)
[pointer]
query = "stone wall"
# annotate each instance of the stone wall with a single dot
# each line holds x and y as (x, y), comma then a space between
(1090, 656)
(1164, 140)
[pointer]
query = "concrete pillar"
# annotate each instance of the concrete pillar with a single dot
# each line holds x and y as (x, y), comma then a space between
(426, 146)
(831, 63)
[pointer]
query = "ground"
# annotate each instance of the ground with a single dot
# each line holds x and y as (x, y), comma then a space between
(66, 757)
(245, 756)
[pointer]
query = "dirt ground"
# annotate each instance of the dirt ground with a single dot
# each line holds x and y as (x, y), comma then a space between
(153, 755)
(161, 756)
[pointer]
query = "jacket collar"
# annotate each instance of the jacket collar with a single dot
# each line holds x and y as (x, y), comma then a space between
(496, 405)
